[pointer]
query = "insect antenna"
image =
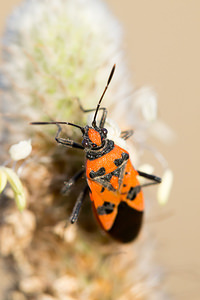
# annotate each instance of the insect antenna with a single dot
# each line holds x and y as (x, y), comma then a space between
(57, 123)
(98, 106)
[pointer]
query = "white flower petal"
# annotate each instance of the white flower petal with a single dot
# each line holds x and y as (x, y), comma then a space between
(20, 150)
(165, 187)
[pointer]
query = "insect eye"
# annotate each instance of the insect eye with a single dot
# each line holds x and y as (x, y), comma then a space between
(105, 131)
(85, 143)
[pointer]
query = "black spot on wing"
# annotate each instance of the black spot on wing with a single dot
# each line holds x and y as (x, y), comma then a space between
(106, 209)
(98, 173)
(133, 192)
(103, 189)
(119, 161)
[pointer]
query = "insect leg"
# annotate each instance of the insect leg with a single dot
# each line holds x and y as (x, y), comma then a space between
(72, 181)
(66, 142)
(148, 184)
(155, 178)
(78, 204)
(104, 114)
(135, 190)
(126, 134)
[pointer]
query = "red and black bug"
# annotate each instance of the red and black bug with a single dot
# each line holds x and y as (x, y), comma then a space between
(112, 182)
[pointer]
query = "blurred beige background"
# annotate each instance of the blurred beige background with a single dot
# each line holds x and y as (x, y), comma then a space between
(162, 41)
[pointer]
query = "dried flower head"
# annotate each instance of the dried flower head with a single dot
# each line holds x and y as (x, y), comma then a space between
(57, 50)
